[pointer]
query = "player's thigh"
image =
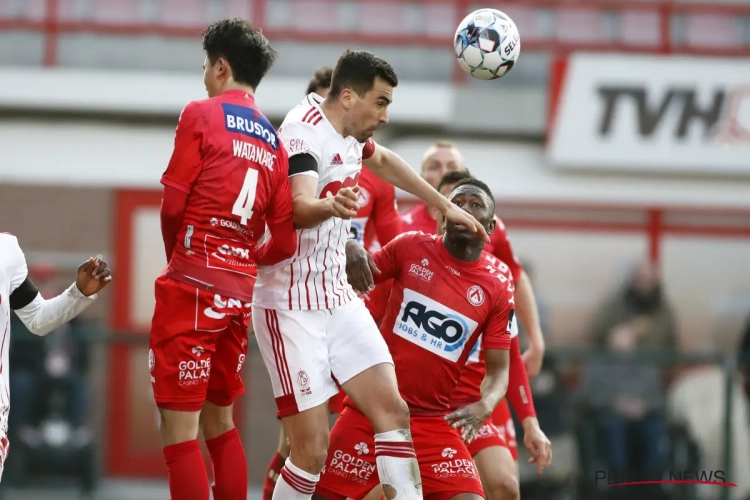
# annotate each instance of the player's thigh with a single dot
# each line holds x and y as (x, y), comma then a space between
(182, 344)
(294, 347)
(355, 343)
(361, 362)
(498, 472)
(350, 470)
(445, 463)
(225, 382)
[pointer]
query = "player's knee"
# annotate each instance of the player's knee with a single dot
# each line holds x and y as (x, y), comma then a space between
(397, 413)
(178, 426)
(503, 487)
(310, 454)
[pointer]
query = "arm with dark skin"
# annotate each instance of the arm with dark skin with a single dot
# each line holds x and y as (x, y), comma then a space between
(470, 418)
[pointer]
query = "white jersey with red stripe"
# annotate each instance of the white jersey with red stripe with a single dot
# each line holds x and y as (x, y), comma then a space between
(315, 278)
(13, 272)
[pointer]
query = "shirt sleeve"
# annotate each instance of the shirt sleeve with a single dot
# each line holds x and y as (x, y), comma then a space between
(185, 164)
(503, 250)
(368, 150)
(279, 209)
(388, 258)
(501, 326)
(300, 138)
(16, 264)
(519, 390)
(385, 215)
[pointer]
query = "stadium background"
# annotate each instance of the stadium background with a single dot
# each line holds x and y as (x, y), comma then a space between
(90, 91)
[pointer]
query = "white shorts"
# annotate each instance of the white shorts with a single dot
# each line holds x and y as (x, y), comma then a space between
(304, 351)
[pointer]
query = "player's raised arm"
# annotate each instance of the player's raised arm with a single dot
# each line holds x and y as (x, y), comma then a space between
(178, 179)
(385, 216)
(304, 161)
(40, 315)
(392, 168)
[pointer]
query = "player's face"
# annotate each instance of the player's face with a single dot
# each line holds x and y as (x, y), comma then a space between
(475, 201)
(438, 161)
(367, 113)
(214, 76)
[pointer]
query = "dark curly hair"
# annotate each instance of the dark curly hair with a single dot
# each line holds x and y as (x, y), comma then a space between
(245, 49)
(453, 177)
(357, 70)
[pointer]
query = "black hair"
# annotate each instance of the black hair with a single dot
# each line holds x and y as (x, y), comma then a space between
(357, 70)
(245, 48)
(321, 79)
(453, 177)
(471, 181)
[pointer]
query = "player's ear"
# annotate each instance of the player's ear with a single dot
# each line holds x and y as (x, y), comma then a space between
(347, 98)
(491, 226)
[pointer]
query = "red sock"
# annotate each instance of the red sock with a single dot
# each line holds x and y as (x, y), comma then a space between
(272, 474)
(187, 474)
(230, 466)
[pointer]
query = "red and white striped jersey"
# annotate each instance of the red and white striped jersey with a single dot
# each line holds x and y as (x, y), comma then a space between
(13, 272)
(315, 278)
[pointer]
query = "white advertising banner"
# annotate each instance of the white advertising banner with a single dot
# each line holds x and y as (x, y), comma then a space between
(652, 114)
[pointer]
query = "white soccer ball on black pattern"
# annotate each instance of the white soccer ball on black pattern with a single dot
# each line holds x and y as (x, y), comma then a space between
(487, 44)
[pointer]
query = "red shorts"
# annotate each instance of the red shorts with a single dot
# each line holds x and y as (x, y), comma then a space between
(336, 403)
(444, 462)
(498, 430)
(197, 346)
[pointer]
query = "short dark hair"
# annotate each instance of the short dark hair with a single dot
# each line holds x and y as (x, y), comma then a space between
(357, 70)
(321, 79)
(472, 181)
(245, 48)
(453, 177)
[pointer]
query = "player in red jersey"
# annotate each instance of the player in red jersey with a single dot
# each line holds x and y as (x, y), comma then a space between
(226, 180)
(494, 449)
(443, 157)
(377, 221)
(444, 297)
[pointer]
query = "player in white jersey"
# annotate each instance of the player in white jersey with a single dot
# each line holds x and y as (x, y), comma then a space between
(311, 328)
(18, 292)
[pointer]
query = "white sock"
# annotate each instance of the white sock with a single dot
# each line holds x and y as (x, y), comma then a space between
(397, 464)
(294, 483)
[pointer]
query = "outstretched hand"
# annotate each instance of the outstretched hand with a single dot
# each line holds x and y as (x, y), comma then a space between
(93, 275)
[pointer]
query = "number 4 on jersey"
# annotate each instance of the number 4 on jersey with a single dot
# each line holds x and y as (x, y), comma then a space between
(243, 206)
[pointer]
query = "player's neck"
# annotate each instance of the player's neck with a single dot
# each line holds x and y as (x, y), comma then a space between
(232, 85)
(464, 250)
(334, 115)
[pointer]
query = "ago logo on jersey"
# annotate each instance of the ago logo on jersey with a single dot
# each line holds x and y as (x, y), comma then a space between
(433, 326)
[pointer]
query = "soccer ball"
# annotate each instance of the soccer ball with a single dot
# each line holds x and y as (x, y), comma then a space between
(487, 44)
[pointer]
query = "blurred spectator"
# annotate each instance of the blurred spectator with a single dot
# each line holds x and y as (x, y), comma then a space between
(626, 397)
(642, 302)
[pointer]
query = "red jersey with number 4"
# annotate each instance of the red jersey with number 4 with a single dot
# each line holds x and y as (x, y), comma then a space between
(377, 221)
(439, 306)
(229, 160)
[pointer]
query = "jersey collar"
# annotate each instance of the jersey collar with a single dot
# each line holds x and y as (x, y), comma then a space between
(240, 93)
